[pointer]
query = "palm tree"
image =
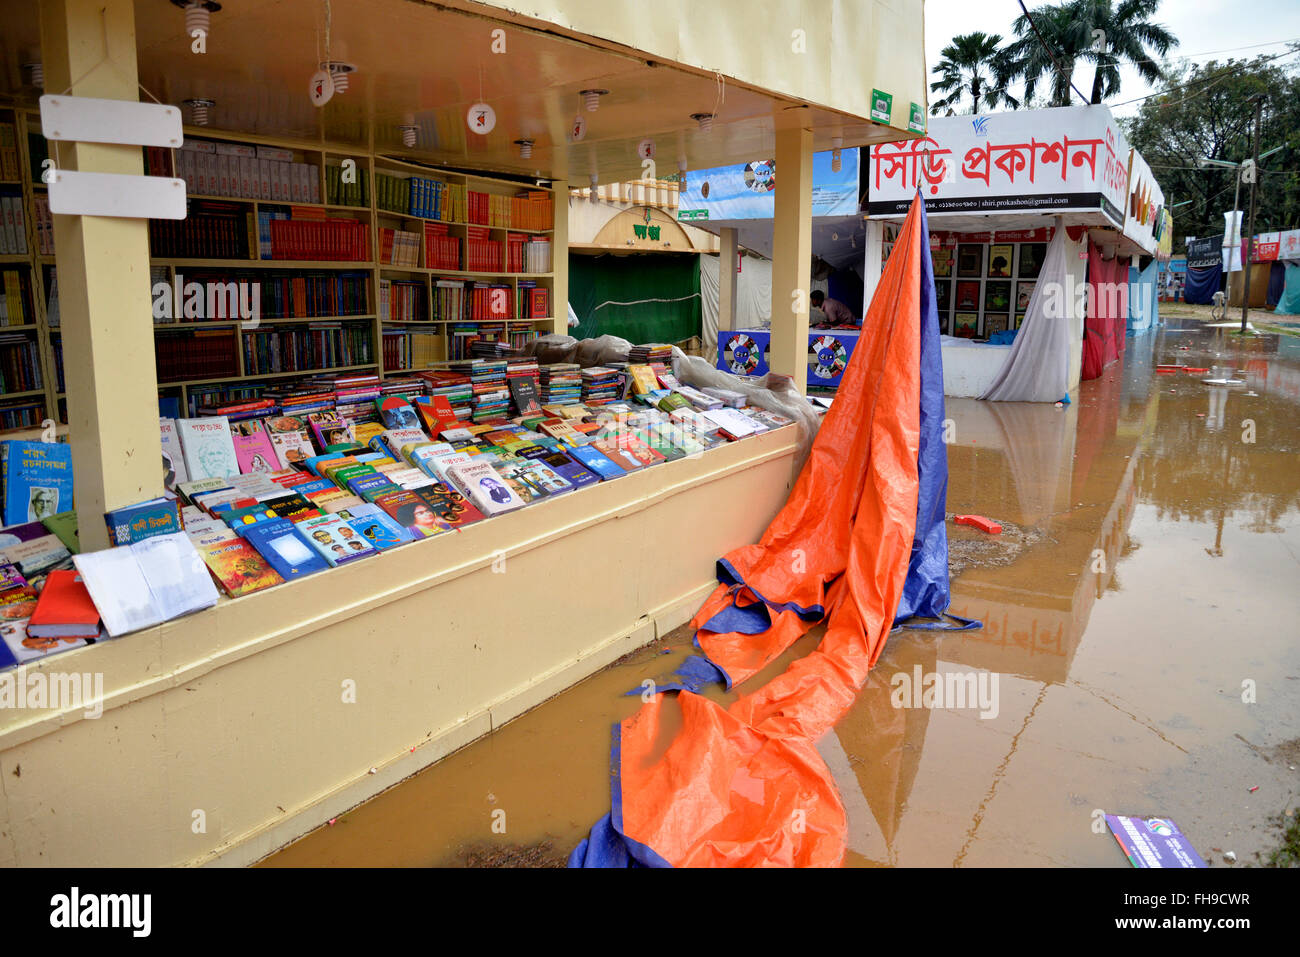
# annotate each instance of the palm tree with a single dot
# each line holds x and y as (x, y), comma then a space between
(968, 66)
(1127, 36)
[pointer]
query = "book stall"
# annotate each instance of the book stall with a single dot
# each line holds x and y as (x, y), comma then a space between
(295, 461)
(997, 190)
(333, 470)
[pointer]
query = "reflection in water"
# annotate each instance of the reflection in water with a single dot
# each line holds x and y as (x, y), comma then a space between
(1118, 688)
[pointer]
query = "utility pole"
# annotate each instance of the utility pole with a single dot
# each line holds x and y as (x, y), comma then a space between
(1250, 229)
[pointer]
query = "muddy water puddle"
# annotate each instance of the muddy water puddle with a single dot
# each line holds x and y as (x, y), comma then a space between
(1140, 635)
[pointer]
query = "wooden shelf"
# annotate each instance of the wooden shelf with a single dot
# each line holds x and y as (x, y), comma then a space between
(371, 215)
(255, 323)
(251, 376)
(360, 265)
(21, 395)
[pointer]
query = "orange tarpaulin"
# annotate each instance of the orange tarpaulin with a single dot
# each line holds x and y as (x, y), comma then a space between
(744, 785)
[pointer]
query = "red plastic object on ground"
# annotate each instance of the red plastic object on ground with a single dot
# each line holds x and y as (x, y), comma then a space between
(980, 522)
(1192, 371)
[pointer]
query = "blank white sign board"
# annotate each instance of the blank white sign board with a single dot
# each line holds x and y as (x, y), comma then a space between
(114, 194)
(85, 119)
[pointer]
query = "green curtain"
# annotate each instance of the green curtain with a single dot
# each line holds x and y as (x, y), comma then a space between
(662, 290)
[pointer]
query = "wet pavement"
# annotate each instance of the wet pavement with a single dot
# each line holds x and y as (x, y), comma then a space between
(1140, 620)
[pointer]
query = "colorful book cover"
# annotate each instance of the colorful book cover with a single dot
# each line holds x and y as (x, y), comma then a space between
(597, 462)
(335, 540)
(37, 557)
(328, 429)
(24, 648)
(396, 413)
(512, 473)
(639, 450)
(37, 480)
(64, 525)
(64, 609)
(365, 433)
(135, 523)
(173, 458)
(481, 484)
(394, 440)
(238, 567)
(1153, 842)
(411, 511)
(541, 476)
(288, 552)
(208, 446)
(291, 448)
(378, 528)
(255, 452)
(189, 490)
(570, 470)
(613, 450)
(450, 505)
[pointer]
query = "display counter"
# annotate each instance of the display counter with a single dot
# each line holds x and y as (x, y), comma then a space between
(745, 352)
(230, 732)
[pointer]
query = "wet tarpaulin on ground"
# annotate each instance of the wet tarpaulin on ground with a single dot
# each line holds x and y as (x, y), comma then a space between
(860, 541)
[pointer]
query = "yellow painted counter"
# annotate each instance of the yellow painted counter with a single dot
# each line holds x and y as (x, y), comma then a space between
(226, 734)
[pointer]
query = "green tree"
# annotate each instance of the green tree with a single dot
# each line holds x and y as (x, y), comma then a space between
(1211, 116)
(1101, 32)
(968, 67)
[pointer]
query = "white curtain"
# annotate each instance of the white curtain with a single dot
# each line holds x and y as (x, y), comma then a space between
(1037, 368)
(753, 297)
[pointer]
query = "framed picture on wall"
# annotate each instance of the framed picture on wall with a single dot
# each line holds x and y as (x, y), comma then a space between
(942, 258)
(1031, 260)
(970, 260)
(1000, 262)
(995, 322)
(968, 295)
(942, 295)
(1024, 291)
(997, 296)
(965, 324)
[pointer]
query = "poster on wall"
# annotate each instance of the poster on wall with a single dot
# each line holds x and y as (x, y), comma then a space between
(942, 260)
(997, 296)
(747, 190)
(968, 295)
(1031, 259)
(1000, 262)
(969, 260)
(1024, 290)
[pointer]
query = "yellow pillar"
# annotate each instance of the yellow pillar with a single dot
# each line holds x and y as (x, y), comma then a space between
(792, 255)
(727, 278)
(560, 258)
(104, 293)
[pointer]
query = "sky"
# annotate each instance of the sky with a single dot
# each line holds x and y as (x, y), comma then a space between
(1204, 27)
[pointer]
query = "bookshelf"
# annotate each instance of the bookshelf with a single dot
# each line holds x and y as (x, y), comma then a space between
(370, 311)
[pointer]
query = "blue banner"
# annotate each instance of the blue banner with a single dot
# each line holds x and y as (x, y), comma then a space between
(746, 191)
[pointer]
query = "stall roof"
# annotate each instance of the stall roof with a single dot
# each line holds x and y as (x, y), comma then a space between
(431, 61)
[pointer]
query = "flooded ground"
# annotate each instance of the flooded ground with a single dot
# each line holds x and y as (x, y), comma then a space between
(1140, 614)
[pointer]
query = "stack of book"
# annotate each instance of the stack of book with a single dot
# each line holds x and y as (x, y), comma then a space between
(561, 383)
(653, 352)
(488, 381)
(455, 386)
(601, 385)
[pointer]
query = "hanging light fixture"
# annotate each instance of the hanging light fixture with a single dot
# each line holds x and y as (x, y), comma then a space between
(525, 148)
(681, 170)
(591, 98)
(36, 71)
(199, 109)
(705, 120)
(338, 71)
(837, 144)
(198, 15)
